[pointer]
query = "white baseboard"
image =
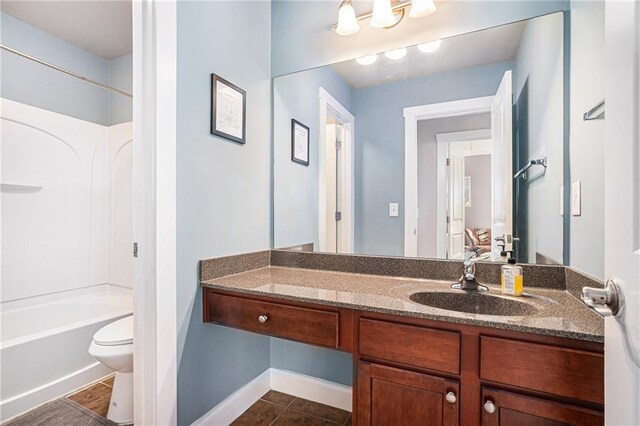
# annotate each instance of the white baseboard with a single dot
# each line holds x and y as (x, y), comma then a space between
(236, 403)
(295, 384)
(312, 388)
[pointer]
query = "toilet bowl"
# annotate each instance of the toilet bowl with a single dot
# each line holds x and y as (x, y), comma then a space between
(112, 345)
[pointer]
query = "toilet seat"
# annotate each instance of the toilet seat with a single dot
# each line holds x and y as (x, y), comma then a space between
(115, 334)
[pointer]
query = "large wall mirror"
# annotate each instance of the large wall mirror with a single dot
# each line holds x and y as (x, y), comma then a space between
(436, 150)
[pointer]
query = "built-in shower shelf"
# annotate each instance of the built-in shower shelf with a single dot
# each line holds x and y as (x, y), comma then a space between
(19, 187)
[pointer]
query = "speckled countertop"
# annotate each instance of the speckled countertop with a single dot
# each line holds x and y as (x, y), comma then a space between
(552, 312)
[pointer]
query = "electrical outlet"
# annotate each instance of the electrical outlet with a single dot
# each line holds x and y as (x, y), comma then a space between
(393, 209)
(576, 198)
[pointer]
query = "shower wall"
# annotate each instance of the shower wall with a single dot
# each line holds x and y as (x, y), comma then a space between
(66, 202)
(66, 167)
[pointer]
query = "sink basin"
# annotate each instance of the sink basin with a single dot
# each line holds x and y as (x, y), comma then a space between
(474, 303)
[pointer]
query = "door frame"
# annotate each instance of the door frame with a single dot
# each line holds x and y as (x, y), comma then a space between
(154, 211)
(341, 113)
(442, 149)
(412, 115)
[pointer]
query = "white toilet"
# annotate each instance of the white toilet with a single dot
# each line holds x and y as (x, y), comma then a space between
(113, 346)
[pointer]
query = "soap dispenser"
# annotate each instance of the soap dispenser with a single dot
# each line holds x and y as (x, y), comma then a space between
(511, 279)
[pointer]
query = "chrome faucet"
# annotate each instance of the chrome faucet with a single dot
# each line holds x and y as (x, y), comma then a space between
(468, 279)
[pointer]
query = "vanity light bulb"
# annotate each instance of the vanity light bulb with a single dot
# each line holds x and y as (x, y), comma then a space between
(347, 22)
(396, 54)
(429, 47)
(367, 60)
(382, 15)
(420, 8)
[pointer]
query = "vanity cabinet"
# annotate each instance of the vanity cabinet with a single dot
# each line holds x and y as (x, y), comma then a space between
(503, 408)
(413, 371)
(392, 396)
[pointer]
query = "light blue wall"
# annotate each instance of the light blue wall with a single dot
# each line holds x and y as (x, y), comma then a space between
(31, 83)
(539, 63)
(34, 84)
(121, 77)
(222, 190)
(380, 138)
(587, 137)
(302, 38)
(296, 188)
(313, 361)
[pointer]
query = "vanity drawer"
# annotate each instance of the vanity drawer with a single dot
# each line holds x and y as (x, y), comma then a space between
(313, 326)
(555, 370)
(422, 347)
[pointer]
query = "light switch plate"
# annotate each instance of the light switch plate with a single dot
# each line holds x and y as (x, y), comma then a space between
(576, 198)
(393, 209)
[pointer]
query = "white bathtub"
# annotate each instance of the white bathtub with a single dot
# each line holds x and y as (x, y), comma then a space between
(44, 342)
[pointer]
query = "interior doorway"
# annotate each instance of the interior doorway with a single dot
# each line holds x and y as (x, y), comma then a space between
(336, 176)
(464, 195)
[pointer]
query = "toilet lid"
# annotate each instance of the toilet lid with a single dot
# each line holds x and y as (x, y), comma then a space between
(117, 333)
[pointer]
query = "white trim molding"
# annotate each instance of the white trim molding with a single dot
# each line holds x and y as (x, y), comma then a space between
(411, 117)
(154, 212)
(237, 403)
(296, 384)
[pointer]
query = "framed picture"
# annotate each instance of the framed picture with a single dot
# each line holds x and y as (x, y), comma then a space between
(467, 191)
(299, 142)
(228, 110)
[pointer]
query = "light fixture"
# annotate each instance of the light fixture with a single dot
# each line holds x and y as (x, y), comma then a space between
(385, 14)
(396, 54)
(429, 47)
(420, 8)
(382, 15)
(367, 60)
(347, 22)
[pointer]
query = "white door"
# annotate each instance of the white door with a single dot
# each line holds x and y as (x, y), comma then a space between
(456, 205)
(501, 169)
(622, 210)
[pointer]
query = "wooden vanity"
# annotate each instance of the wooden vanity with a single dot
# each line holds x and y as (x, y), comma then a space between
(416, 371)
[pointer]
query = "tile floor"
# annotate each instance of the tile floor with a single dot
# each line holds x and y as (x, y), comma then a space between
(280, 409)
(95, 397)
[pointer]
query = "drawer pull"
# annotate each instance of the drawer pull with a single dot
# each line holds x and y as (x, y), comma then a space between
(262, 319)
(451, 398)
(489, 407)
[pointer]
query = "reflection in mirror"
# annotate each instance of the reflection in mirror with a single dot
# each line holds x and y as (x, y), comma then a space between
(437, 150)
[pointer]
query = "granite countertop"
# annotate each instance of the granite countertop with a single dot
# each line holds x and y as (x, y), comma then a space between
(553, 312)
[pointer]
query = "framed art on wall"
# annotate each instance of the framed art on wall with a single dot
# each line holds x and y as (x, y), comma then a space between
(228, 110)
(299, 142)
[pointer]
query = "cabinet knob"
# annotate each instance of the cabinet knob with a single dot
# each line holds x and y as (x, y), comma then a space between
(262, 319)
(451, 398)
(489, 407)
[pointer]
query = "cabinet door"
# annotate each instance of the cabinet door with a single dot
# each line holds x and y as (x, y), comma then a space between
(511, 409)
(391, 396)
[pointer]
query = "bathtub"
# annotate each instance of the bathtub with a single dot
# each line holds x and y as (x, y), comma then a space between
(44, 342)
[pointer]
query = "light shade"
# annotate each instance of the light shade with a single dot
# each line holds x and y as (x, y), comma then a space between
(382, 15)
(347, 22)
(429, 47)
(421, 8)
(367, 60)
(396, 54)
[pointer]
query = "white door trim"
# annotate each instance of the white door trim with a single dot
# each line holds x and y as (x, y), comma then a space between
(154, 223)
(328, 101)
(442, 149)
(411, 117)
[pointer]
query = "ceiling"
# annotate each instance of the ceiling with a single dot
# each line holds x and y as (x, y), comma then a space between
(478, 48)
(103, 28)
